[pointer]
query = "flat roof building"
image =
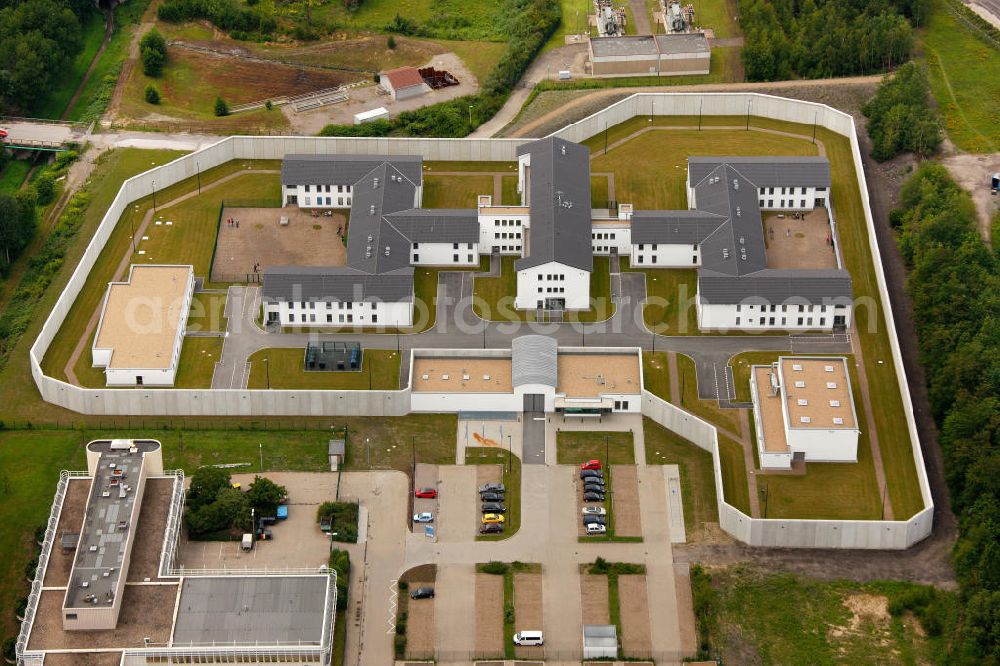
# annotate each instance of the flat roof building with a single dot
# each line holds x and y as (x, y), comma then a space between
(804, 410)
(142, 324)
(650, 55)
(138, 605)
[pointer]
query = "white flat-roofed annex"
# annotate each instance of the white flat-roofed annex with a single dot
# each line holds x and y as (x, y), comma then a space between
(817, 389)
(142, 317)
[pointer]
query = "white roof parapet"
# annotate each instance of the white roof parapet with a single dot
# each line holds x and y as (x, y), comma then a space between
(534, 360)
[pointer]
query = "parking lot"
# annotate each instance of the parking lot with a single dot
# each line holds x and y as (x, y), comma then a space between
(298, 541)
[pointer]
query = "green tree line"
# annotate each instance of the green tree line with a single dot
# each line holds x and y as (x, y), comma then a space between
(900, 117)
(38, 41)
(954, 282)
(814, 39)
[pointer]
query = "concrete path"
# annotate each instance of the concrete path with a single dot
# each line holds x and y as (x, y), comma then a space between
(454, 608)
(458, 503)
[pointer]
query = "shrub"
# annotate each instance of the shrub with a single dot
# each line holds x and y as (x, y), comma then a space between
(900, 117)
(41, 529)
(403, 586)
(495, 568)
(152, 94)
(153, 52)
(239, 21)
(45, 187)
(391, 42)
(10, 648)
(343, 520)
(20, 607)
(268, 105)
(221, 108)
(399, 645)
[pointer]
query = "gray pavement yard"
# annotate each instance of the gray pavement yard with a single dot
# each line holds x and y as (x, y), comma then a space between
(298, 541)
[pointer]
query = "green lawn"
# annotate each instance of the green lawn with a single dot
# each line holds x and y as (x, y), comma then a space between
(283, 369)
(13, 174)
(455, 191)
(650, 170)
(511, 480)
(494, 296)
(599, 188)
(438, 18)
(509, 194)
(964, 72)
(734, 475)
(656, 374)
(207, 310)
(671, 298)
(435, 166)
(611, 448)
(664, 447)
(818, 622)
(480, 57)
(197, 364)
(574, 22)
(741, 364)
(719, 15)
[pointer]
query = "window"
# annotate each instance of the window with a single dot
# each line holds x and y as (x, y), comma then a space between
(312, 318)
(138, 380)
(329, 319)
(72, 616)
(784, 308)
(468, 246)
(307, 188)
(653, 259)
(640, 258)
(761, 321)
(770, 321)
(737, 321)
(760, 203)
(340, 201)
(770, 190)
(694, 260)
(454, 258)
(803, 203)
(654, 247)
(810, 322)
(800, 321)
(470, 258)
(822, 321)
(770, 203)
(738, 307)
(539, 276)
(312, 305)
(802, 308)
(308, 201)
(641, 246)
(340, 319)
(539, 290)
(374, 318)
(782, 203)
(803, 190)
(454, 246)
(291, 316)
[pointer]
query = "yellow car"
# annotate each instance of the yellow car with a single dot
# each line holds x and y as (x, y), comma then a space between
(492, 518)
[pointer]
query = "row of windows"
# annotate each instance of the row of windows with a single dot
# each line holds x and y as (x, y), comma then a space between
(784, 308)
(621, 404)
(654, 246)
(454, 258)
(454, 246)
(341, 319)
(505, 235)
(551, 276)
(506, 248)
(553, 290)
(507, 223)
(785, 190)
(652, 259)
(341, 305)
(328, 188)
(341, 201)
(781, 203)
(784, 321)
(602, 236)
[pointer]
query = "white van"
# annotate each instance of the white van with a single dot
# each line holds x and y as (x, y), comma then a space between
(529, 638)
(594, 528)
(247, 543)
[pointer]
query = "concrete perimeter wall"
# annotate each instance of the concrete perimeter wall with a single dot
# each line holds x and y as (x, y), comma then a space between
(867, 534)
(385, 403)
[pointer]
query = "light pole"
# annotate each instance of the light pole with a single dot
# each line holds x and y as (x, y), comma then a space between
(510, 458)
(198, 170)
(135, 211)
(260, 447)
(267, 372)
(470, 115)
(368, 448)
(749, 102)
(763, 491)
(154, 195)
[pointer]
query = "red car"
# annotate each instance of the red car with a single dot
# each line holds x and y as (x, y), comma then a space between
(591, 464)
(426, 493)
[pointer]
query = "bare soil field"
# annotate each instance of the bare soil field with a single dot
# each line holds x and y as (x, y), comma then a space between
(261, 242)
(626, 500)
(594, 592)
(634, 608)
(489, 615)
(528, 609)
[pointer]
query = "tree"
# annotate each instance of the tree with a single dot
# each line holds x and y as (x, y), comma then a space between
(153, 51)
(221, 108)
(152, 94)
(206, 484)
(391, 42)
(265, 495)
(45, 187)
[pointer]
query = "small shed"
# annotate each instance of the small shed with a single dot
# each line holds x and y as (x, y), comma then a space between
(336, 452)
(600, 641)
(403, 83)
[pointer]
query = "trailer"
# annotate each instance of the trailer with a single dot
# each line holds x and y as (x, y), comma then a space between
(380, 113)
(282, 512)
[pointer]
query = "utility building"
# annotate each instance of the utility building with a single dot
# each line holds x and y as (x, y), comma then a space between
(650, 55)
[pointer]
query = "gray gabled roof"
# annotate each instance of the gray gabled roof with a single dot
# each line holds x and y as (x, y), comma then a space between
(437, 225)
(335, 283)
(534, 360)
(776, 286)
(736, 247)
(373, 246)
(774, 171)
(344, 169)
(559, 200)
(678, 227)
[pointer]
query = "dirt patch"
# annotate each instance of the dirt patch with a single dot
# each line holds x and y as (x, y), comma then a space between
(489, 615)
(425, 573)
(634, 608)
(594, 595)
(528, 610)
(802, 242)
(70, 520)
(867, 608)
(420, 628)
(261, 241)
(626, 500)
(973, 173)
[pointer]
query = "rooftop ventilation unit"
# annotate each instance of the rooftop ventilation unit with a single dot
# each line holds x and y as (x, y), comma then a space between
(736, 184)
(805, 419)
(562, 149)
(375, 182)
(800, 384)
(725, 253)
(838, 421)
(796, 367)
(387, 250)
(742, 239)
(831, 385)
(803, 402)
(828, 368)
(737, 215)
(370, 237)
(835, 403)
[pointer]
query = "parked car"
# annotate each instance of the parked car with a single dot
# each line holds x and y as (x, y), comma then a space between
(594, 511)
(424, 517)
(494, 507)
(594, 528)
(491, 528)
(593, 488)
(591, 464)
(529, 638)
(426, 493)
(491, 497)
(422, 593)
(326, 524)
(492, 488)
(593, 497)
(591, 474)
(595, 520)
(492, 518)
